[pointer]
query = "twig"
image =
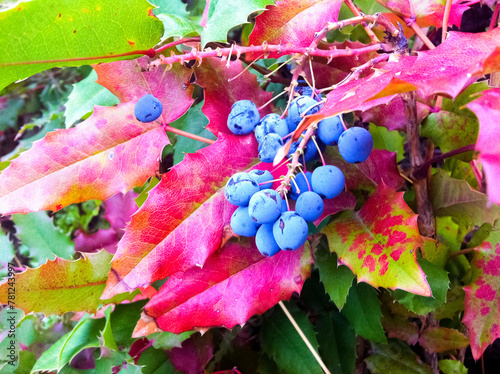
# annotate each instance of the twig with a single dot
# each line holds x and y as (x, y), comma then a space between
(494, 18)
(461, 252)
(446, 17)
(354, 9)
(177, 42)
(187, 134)
(420, 33)
(304, 338)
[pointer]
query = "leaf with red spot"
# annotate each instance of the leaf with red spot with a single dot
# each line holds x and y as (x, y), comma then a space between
(379, 243)
(487, 110)
(293, 22)
(108, 153)
(183, 220)
(234, 284)
(221, 94)
(482, 296)
(170, 86)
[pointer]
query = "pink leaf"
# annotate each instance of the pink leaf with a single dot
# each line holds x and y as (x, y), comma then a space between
(234, 284)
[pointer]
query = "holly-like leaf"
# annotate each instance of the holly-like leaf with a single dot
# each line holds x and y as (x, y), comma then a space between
(362, 310)
(452, 367)
(221, 94)
(170, 86)
(218, 23)
(379, 243)
(396, 320)
(42, 238)
(159, 241)
(61, 286)
(282, 343)
(234, 284)
(293, 22)
(396, 358)
(72, 35)
(84, 96)
(178, 26)
(110, 152)
(453, 197)
(194, 354)
(442, 339)
(482, 296)
(487, 110)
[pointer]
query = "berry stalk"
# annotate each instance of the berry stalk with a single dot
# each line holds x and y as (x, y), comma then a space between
(188, 134)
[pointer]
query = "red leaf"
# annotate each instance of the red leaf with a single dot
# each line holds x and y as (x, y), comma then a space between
(235, 283)
(108, 153)
(487, 110)
(379, 243)
(129, 80)
(118, 212)
(221, 94)
(182, 221)
(194, 355)
(293, 22)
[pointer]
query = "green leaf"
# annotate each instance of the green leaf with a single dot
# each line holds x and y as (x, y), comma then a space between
(452, 367)
(362, 310)
(6, 251)
(337, 342)
(337, 279)
(155, 361)
(441, 339)
(107, 333)
(223, 15)
(84, 335)
(389, 140)
(178, 26)
(455, 198)
(395, 358)
(439, 282)
(9, 109)
(175, 7)
(38, 35)
(169, 340)
(281, 342)
(84, 96)
(43, 239)
(123, 320)
(194, 122)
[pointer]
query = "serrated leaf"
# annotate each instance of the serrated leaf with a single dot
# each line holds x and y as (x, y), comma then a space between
(178, 26)
(61, 286)
(455, 198)
(123, 319)
(155, 361)
(396, 358)
(337, 342)
(281, 342)
(72, 35)
(194, 122)
(94, 160)
(482, 297)
(439, 283)
(84, 335)
(487, 111)
(336, 278)
(224, 292)
(379, 243)
(396, 320)
(194, 354)
(84, 96)
(442, 339)
(44, 240)
(452, 367)
(159, 241)
(218, 23)
(362, 310)
(176, 7)
(221, 94)
(168, 340)
(293, 22)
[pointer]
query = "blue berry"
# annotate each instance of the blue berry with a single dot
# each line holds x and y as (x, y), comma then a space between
(148, 108)
(269, 147)
(262, 176)
(301, 182)
(355, 144)
(290, 231)
(264, 239)
(301, 105)
(291, 125)
(272, 123)
(328, 181)
(243, 118)
(284, 207)
(310, 150)
(265, 206)
(242, 224)
(330, 129)
(240, 188)
(310, 206)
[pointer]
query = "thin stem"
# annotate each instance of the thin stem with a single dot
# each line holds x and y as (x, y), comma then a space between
(319, 150)
(421, 171)
(421, 34)
(477, 174)
(304, 338)
(446, 17)
(270, 101)
(247, 67)
(312, 74)
(279, 67)
(494, 18)
(188, 134)
(462, 252)
(354, 9)
(177, 42)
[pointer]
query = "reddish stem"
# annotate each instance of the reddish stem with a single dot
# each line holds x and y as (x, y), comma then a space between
(177, 42)
(446, 17)
(494, 18)
(188, 134)
(421, 34)
(354, 9)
